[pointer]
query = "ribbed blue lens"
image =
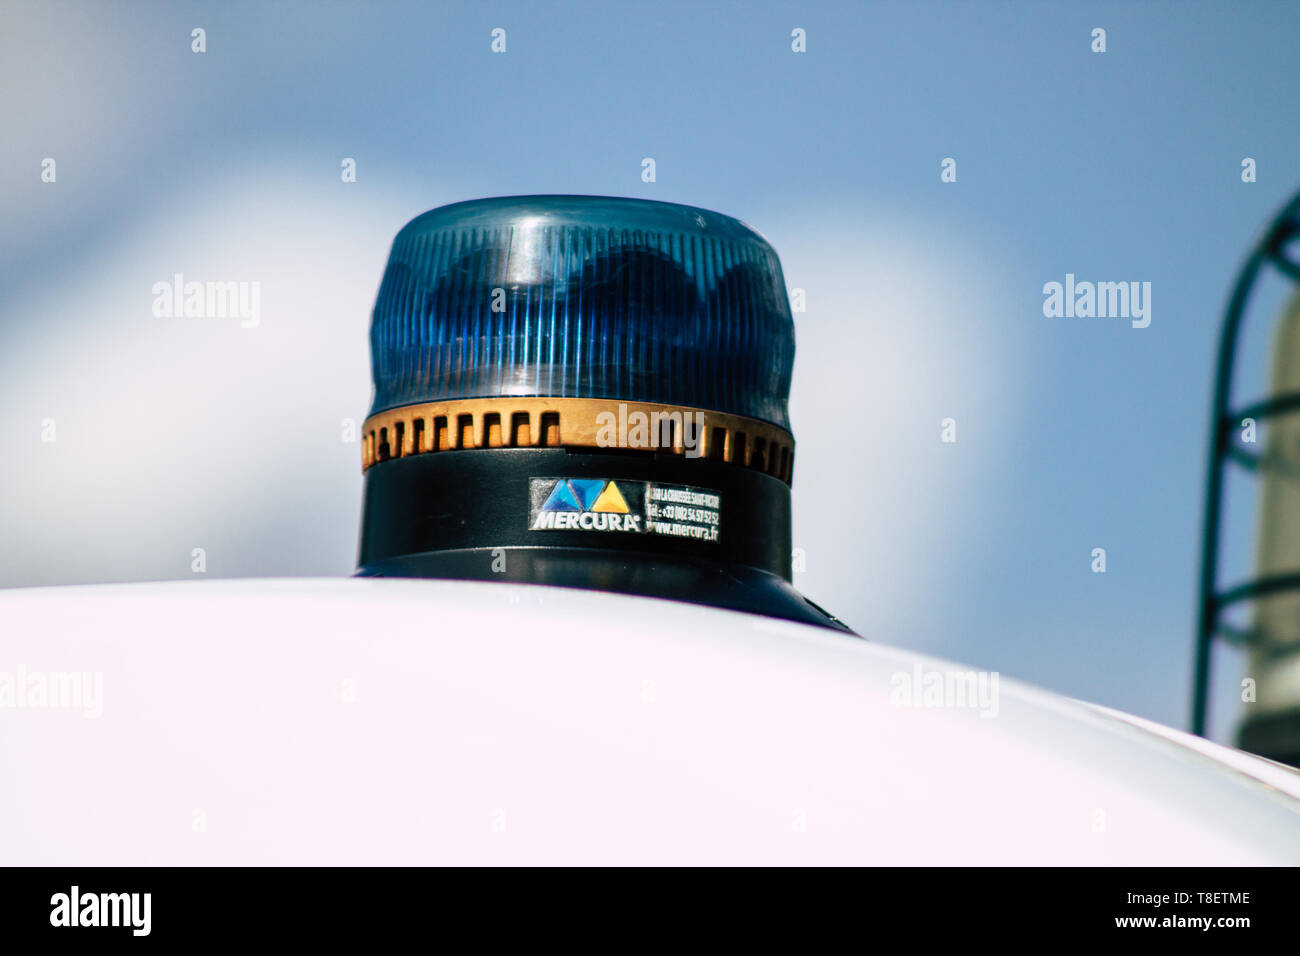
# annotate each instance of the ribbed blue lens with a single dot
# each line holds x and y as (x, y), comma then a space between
(583, 297)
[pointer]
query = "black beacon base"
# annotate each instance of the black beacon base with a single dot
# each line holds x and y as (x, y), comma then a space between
(497, 515)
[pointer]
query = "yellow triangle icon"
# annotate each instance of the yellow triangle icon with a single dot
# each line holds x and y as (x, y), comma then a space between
(611, 500)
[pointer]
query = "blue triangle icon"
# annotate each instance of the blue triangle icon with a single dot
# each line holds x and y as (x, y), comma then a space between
(588, 490)
(561, 499)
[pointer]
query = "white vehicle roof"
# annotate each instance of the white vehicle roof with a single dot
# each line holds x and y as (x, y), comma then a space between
(407, 721)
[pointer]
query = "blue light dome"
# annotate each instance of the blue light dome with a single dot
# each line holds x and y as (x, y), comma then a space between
(583, 297)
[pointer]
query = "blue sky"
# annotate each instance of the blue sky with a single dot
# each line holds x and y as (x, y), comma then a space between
(924, 298)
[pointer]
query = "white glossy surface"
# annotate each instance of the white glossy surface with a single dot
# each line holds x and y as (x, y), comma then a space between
(499, 724)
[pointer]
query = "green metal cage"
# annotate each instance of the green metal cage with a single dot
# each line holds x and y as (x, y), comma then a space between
(1269, 251)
